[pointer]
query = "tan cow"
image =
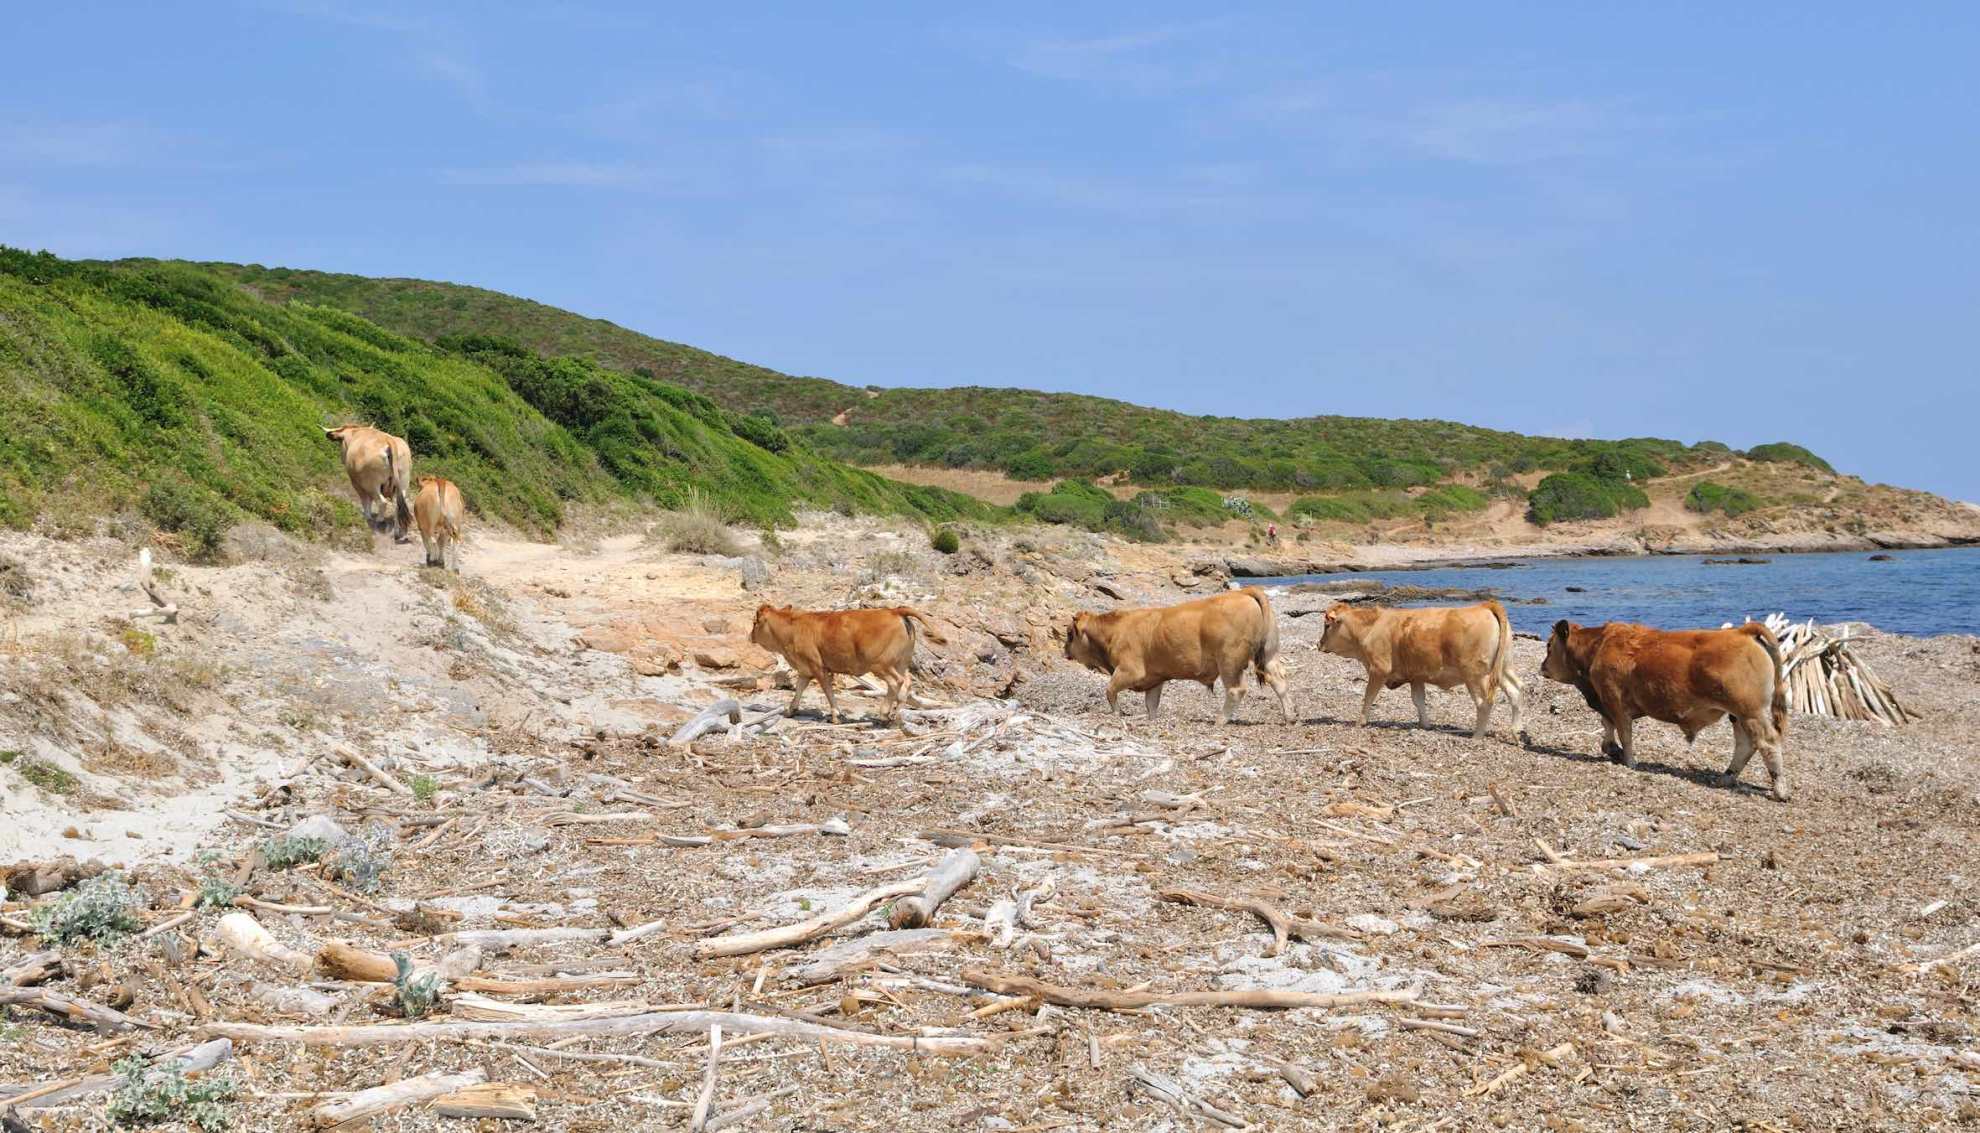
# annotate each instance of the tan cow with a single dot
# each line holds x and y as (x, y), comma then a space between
(819, 645)
(1205, 640)
(380, 467)
(439, 511)
(1441, 645)
(1691, 678)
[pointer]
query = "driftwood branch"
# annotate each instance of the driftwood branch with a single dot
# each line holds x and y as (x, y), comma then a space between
(505, 1101)
(1189, 1105)
(1105, 1000)
(73, 1010)
(1283, 924)
(1668, 861)
(202, 1057)
(828, 964)
(369, 768)
(707, 720)
(342, 960)
(957, 869)
(34, 968)
(784, 936)
(397, 1095)
(1522, 1068)
(242, 933)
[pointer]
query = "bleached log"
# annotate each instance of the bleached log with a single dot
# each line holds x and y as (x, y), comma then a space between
(369, 768)
(553, 986)
(293, 1000)
(398, 1095)
(503, 939)
(1187, 1104)
(956, 869)
(747, 1110)
(784, 936)
(480, 1009)
(504, 1101)
(1283, 925)
(342, 960)
(679, 1022)
(1521, 1069)
(1107, 1000)
(201, 1058)
(242, 933)
(707, 720)
(34, 968)
(74, 1010)
(161, 606)
(1667, 861)
(829, 964)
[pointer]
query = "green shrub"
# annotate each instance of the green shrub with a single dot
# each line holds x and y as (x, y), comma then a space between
(415, 997)
(1782, 452)
(946, 542)
(196, 515)
(360, 861)
(102, 908)
(1706, 497)
(149, 1094)
(423, 787)
(45, 775)
(697, 529)
(1577, 495)
(285, 850)
(215, 891)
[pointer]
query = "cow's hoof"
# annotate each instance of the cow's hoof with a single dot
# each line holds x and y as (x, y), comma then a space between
(1780, 792)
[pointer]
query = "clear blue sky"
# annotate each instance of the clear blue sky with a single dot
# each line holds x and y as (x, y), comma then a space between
(1727, 221)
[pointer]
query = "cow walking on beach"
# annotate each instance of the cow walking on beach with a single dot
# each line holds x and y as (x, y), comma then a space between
(440, 512)
(1207, 640)
(1442, 645)
(380, 467)
(852, 642)
(1691, 678)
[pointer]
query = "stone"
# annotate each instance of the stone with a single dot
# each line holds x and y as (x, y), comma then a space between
(319, 826)
(606, 639)
(715, 625)
(716, 657)
(755, 573)
(1373, 925)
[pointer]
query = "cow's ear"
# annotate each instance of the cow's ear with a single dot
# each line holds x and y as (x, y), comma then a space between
(1561, 628)
(335, 434)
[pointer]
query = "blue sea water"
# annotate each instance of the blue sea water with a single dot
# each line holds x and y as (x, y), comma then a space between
(1921, 592)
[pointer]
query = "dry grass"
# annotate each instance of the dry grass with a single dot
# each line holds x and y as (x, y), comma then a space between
(696, 529)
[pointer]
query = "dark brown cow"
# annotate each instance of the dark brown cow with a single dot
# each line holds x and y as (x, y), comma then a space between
(852, 642)
(1200, 641)
(1444, 646)
(1691, 678)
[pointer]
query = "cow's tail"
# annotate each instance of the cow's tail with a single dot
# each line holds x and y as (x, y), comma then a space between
(906, 613)
(1499, 656)
(1779, 710)
(1269, 647)
(401, 481)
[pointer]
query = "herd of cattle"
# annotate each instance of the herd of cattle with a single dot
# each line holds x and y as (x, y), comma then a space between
(1626, 672)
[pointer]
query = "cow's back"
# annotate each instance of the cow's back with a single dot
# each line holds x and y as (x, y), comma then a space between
(1667, 674)
(858, 641)
(1194, 641)
(1445, 642)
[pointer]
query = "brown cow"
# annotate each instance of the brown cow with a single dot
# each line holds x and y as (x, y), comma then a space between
(380, 467)
(852, 642)
(1691, 678)
(1442, 646)
(1203, 641)
(439, 511)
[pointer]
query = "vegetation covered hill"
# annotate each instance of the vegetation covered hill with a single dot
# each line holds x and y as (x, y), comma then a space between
(1028, 435)
(167, 388)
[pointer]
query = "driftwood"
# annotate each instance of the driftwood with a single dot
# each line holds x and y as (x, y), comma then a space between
(1187, 1104)
(1667, 861)
(1105, 1000)
(1521, 1069)
(706, 1100)
(836, 826)
(963, 839)
(1572, 948)
(478, 1009)
(686, 1022)
(503, 939)
(553, 986)
(398, 1095)
(1823, 677)
(1283, 925)
(294, 1000)
(161, 606)
(342, 960)
(34, 968)
(784, 936)
(747, 1110)
(828, 964)
(707, 720)
(35, 879)
(369, 768)
(242, 933)
(506, 1101)
(202, 1057)
(73, 1010)
(956, 869)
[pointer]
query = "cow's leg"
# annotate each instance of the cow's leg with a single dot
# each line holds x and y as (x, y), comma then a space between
(1770, 751)
(831, 697)
(1118, 683)
(1516, 696)
(1233, 693)
(799, 682)
(1481, 702)
(897, 686)
(1742, 751)
(1374, 690)
(1609, 746)
(1422, 704)
(1152, 701)
(1626, 737)
(1273, 676)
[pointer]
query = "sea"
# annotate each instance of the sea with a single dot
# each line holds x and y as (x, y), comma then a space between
(1916, 592)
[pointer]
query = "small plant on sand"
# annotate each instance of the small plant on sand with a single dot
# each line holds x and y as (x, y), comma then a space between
(47, 776)
(215, 891)
(697, 529)
(149, 1095)
(422, 787)
(946, 542)
(285, 850)
(10, 1031)
(360, 861)
(103, 909)
(415, 997)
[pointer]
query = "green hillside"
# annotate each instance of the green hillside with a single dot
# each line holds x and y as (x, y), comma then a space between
(167, 388)
(1030, 435)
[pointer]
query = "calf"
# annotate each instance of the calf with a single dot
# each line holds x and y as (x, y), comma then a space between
(1204, 640)
(1691, 678)
(1442, 646)
(439, 512)
(818, 645)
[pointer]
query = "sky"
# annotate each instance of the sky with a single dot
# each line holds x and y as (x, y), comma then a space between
(1742, 223)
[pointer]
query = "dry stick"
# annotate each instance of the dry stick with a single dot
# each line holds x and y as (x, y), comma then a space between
(35, 968)
(1520, 1070)
(1188, 1104)
(504, 1100)
(166, 926)
(342, 960)
(74, 1010)
(1541, 944)
(957, 869)
(1434, 1025)
(1501, 802)
(202, 1057)
(693, 1022)
(587, 1056)
(786, 935)
(398, 1095)
(828, 964)
(747, 1110)
(242, 933)
(1669, 861)
(544, 987)
(707, 720)
(965, 839)
(1268, 998)
(371, 769)
(1283, 925)
(699, 1122)
(480, 1009)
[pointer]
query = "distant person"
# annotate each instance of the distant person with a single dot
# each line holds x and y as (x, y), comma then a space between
(1272, 532)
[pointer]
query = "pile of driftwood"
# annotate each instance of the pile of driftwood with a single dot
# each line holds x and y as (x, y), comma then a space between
(1825, 678)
